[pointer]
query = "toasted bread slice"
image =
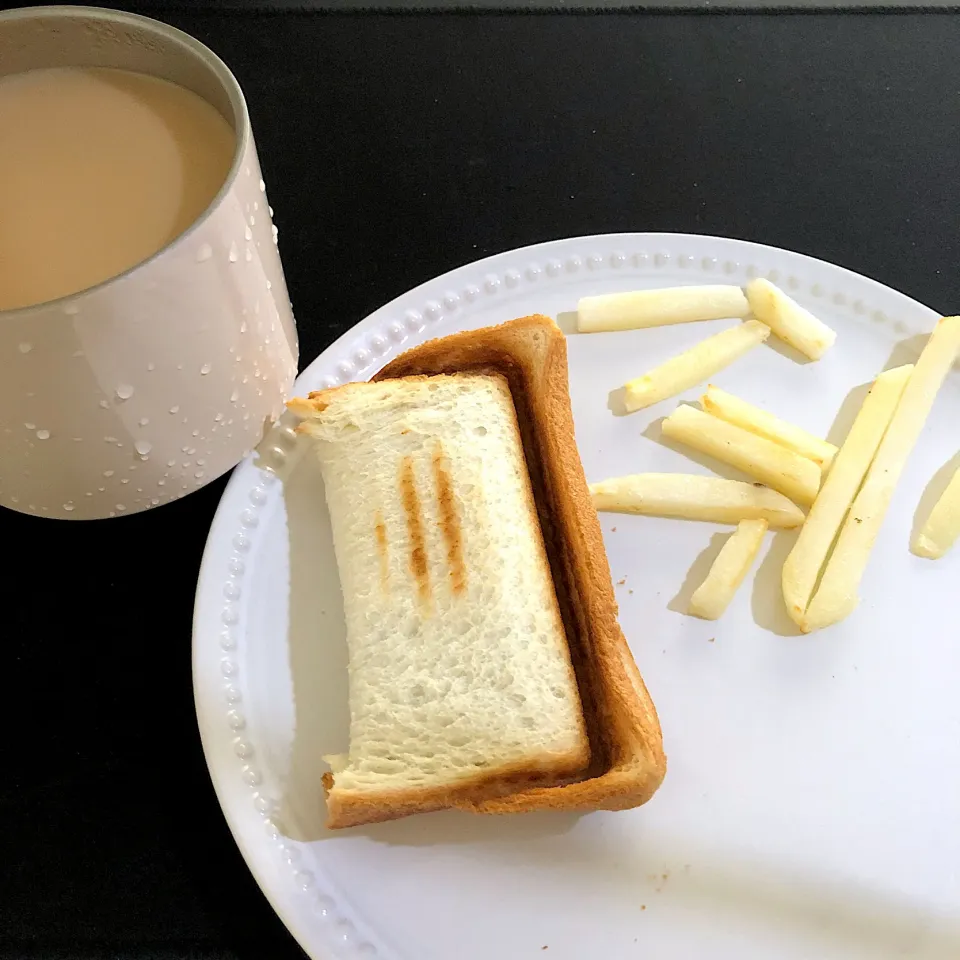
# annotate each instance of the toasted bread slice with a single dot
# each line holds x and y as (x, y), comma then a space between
(627, 759)
(461, 683)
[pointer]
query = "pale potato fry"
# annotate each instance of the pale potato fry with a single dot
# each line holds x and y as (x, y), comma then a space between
(657, 308)
(695, 365)
(713, 596)
(742, 414)
(837, 595)
(691, 497)
(942, 527)
(794, 476)
(809, 553)
(788, 320)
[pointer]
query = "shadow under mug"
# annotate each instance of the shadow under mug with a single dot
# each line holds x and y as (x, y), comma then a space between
(143, 388)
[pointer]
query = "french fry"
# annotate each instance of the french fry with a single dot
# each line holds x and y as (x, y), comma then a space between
(687, 496)
(713, 596)
(837, 595)
(656, 308)
(694, 365)
(794, 476)
(809, 553)
(742, 414)
(942, 526)
(788, 320)
(691, 497)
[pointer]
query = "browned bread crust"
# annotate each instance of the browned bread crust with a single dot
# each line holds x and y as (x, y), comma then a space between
(628, 762)
(350, 809)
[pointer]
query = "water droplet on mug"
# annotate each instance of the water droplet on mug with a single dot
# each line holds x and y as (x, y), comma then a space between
(204, 253)
(232, 255)
(120, 506)
(151, 366)
(243, 326)
(26, 347)
(68, 506)
(248, 256)
(43, 434)
(71, 309)
(108, 473)
(30, 426)
(205, 369)
(124, 391)
(198, 475)
(143, 447)
(174, 409)
(235, 396)
(105, 404)
(269, 285)
(218, 417)
(247, 233)
(263, 186)
(143, 421)
(269, 209)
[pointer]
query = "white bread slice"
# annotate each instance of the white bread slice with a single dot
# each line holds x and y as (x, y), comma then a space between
(627, 759)
(461, 684)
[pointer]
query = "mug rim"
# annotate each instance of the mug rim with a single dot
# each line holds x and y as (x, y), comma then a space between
(223, 74)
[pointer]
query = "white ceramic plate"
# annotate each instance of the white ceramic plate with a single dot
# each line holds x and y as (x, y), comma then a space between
(812, 803)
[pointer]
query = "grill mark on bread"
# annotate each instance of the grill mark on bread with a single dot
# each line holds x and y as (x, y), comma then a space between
(449, 520)
(415, 530)
(380, 535)
(489, 361)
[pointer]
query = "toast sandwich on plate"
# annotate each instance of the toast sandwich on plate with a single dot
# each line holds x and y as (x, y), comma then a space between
(487, 668)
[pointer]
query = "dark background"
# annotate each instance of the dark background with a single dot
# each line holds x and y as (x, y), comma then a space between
(395, 148)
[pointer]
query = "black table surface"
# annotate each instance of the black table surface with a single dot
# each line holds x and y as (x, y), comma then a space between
(398, 147)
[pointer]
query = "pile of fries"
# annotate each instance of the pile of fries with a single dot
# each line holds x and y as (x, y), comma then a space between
(846, 490)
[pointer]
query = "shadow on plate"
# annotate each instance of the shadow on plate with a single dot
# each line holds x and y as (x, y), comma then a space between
(906, 351)
(316, 638)
(785, 350)
(617, 402)
(932, 493)
(847, 414)
(698, 572)
(769, 611)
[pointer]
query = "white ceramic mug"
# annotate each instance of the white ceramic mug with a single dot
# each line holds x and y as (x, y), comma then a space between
(136, 391)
